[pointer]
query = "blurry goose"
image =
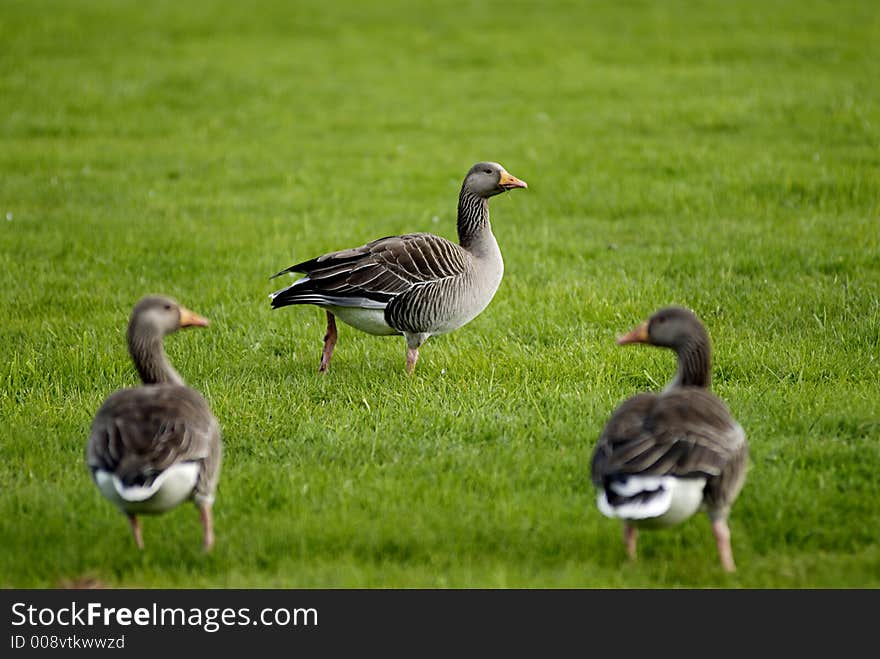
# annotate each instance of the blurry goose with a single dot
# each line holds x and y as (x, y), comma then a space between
(416, 284)
(661, 457)
(154, 446)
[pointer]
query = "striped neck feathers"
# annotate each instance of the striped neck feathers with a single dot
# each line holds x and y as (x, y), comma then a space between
(473, 218)
(148, 355)
(694, 364)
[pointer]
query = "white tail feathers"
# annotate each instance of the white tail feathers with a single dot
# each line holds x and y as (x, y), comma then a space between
(168, 489)
(656, 500)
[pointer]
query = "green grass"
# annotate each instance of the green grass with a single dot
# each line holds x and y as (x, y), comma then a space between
(724, 156)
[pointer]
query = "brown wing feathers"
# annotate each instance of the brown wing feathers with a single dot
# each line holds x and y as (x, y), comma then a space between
(376, 272)
(684, 432)
(140, 432)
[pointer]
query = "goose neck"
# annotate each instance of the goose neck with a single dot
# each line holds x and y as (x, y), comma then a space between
(694, 365)
(473, 219)
(148, 355)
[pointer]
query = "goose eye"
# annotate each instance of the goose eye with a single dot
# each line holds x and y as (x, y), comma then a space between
(167, 307)
(488, 171)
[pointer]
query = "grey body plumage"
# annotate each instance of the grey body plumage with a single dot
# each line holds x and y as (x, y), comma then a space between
(417, 284)
(152, 446)
(683, 441)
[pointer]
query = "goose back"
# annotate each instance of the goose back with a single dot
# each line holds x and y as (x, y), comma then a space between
(422, 282)
(139, 433)
(685, 432)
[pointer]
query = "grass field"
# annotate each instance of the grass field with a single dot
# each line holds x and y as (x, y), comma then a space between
(723, 156)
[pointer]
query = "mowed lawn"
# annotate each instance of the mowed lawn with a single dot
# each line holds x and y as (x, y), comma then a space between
(722, 156)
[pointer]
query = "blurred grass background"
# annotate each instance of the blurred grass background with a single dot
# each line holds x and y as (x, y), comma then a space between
(724, 156)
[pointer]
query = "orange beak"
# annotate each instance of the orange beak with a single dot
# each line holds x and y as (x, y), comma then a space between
(191, 319)
(509, 182)
(637, 335)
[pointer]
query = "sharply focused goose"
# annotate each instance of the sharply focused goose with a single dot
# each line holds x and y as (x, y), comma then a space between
(417, 284)
(661, 457)
(154, 446)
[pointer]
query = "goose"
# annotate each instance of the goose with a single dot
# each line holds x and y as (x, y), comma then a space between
(662, 457)
(154, 446)
(417, 284)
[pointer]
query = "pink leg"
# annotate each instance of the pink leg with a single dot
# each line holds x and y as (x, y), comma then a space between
(722, 539)
(412, 356)
(329, 343)
(630, 536)
(136, 531)
(207, 526)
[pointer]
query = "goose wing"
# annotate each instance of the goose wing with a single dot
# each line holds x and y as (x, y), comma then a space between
(686, 432)
(138, 433)
(373, 274)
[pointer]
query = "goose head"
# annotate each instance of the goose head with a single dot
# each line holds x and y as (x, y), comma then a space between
(670, 327)
(487, 179)
(158, 315)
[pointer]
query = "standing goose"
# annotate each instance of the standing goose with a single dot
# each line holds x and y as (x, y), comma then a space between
(661, 457)
(154, 446)
(416, 284)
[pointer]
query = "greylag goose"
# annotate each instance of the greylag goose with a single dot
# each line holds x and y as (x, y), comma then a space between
(661, 457)
(154, 446)
(417, 284)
